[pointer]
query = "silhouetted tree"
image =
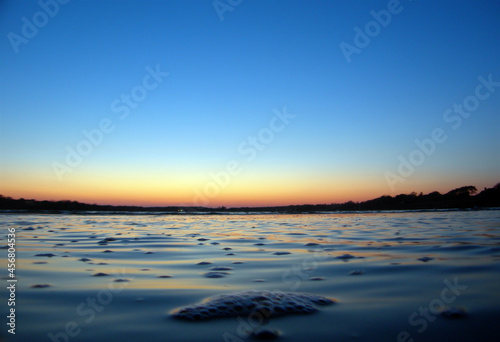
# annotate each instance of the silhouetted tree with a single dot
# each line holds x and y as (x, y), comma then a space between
(463, 191)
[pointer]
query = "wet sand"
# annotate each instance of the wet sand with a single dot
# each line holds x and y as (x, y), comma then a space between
(426, 276)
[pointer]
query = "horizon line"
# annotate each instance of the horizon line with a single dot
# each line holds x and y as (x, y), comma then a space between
(238, 207)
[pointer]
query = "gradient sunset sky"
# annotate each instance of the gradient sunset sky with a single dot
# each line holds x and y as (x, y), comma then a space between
(254, 103)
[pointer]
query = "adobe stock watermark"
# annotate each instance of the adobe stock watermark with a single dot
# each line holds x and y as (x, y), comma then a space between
(248, 148)
(223, 6)
(31, 26)
(363, 37)
(421, 318)
(254, 320)
(455, 115)
(88, 309)
(292, 277)
(94, 137)
(302, 271)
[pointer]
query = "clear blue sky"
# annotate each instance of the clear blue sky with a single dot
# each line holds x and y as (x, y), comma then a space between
(225, 79)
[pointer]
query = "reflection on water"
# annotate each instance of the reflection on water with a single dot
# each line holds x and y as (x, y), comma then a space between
(395, 261)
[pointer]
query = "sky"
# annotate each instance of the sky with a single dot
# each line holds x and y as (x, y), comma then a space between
(247, 103)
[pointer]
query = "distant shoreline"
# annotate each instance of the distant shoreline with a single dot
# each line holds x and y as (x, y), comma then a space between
(462, 198)
(232, 213)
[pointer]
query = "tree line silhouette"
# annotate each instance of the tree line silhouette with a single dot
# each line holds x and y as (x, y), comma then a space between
(465, 197)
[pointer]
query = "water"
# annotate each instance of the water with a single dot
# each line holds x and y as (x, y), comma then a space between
(392, 274)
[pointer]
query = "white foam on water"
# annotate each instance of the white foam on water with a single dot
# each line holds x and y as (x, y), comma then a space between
(269, 303)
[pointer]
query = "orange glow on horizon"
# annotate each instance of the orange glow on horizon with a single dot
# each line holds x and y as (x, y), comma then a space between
(243, 191)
